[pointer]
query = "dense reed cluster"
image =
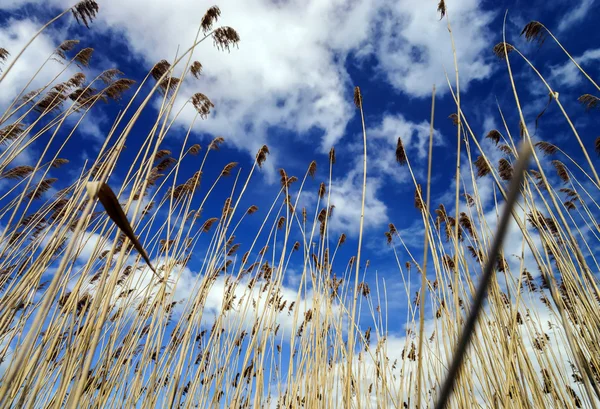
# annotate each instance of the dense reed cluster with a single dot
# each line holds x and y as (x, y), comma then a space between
(137, 293)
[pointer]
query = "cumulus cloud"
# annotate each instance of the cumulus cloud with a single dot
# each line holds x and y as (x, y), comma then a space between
(575, 14)
(413, 48)
(290, 69)
(567, 74)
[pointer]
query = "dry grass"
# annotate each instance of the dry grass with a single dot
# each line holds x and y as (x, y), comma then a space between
(90, 276)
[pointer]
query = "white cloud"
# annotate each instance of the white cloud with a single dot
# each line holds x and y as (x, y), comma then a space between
(290, 69)
(13, 37)
(575, 14)
(567, 74)
(413, 48)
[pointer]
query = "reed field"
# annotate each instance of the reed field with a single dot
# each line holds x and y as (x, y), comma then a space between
(133, 292)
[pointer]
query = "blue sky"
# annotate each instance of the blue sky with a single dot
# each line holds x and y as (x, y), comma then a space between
(289, 85)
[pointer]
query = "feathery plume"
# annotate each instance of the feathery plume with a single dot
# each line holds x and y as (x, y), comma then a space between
(400, 152)
(261, 156)
(418, 199)
(589, 101)
(82, 58)
(208, 224)
(110, 75)
(483, 167)
(561, 170)
(202, 104)
(115, 90)
(3, 54)
(216, 143)
(499, 49)
(19, 172)
(42, 187)
(454, 118)
(534, 31)
(228, 168)
(225, 37)
(505, 169)
(506, 149)
(64, 48)
(85, 11)
(58, 162)
(546, 148)
(494, 135)
(441, 8)
(322, 190)
(252, 209)
(196, 69)
(194, 149)
(332, 156)
(11, 132)
(357, 97)
(210, 18)
(312, 168)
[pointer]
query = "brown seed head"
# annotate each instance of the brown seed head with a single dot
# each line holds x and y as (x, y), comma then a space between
(11, 132)
(561, 170)
(110, 75)
(261, 156)
(441, 8)
(64, 48)
(454, 118)
(216, 143)
(502, 49)
(589, 101)
(400, 152)
(58, 162)
(225, 37)
(534, 31)
(210, 17)
(322, 190)
(115, 90)
(85, 11)
(194, 149)
(505, 169)
(82, 58)
(483, 167)
(208, 224)
(228, 168)
(202, 104)
(196, 69)
(332, 156)
(3, 54)
(18, 172)
(547, 148)
(418, 198)
(494, 135)
(312, 168)
(357, 97)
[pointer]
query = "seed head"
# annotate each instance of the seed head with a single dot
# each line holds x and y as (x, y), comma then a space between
(225, 37)
(502, 49)
(400, 152)
(210, 17)
(589, 101)
(534, 31)
(547, 148)
(85, 11)
(357, 97)
(196, 69)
